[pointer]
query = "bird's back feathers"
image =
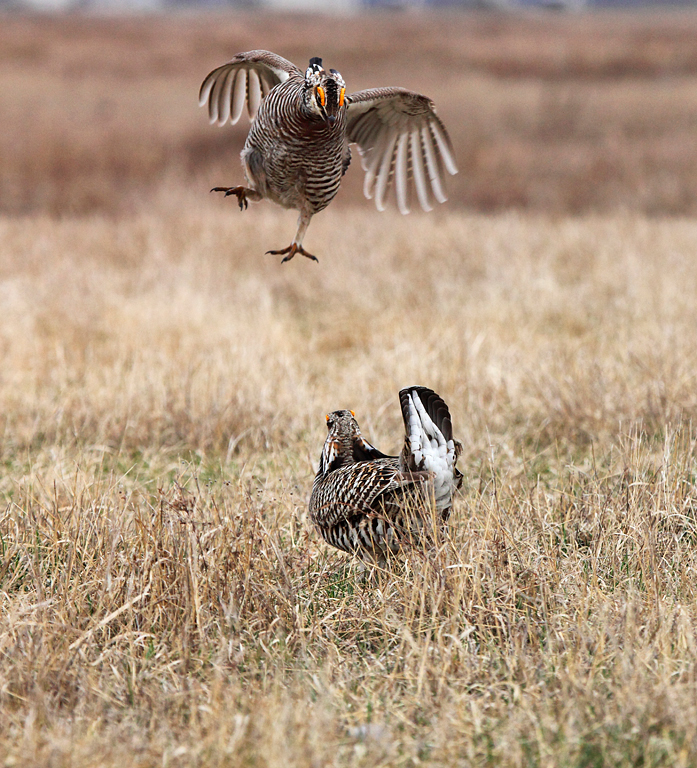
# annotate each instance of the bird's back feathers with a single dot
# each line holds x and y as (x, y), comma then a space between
(357, 485)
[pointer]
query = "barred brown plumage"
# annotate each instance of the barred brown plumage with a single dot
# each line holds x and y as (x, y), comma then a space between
(366, 502)
(298, 150)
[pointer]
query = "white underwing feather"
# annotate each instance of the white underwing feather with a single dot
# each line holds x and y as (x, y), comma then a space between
(254, 93)
(417, 164)
(385, 173)
(238, 95)
(401, 174)
(225, 97)
(373, 159)
(205, 90)
(432, 165)
(444, 147)
(213, 102)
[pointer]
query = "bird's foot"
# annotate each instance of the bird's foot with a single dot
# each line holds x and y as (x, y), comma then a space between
(240, 192)
(290, 251)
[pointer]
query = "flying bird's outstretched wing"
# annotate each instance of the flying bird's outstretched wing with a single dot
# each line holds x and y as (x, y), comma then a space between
(245, 79)
(400, 137)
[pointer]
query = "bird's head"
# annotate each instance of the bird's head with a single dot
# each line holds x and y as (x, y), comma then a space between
(343, 429)
(326, 91)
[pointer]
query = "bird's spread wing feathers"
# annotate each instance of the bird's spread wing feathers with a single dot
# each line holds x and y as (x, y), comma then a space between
(400, 138)
(246, 79)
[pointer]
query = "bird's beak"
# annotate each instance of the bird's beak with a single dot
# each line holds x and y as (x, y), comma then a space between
(331, 119)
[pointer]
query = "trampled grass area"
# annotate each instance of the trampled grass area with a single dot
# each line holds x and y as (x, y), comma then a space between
(163, 388)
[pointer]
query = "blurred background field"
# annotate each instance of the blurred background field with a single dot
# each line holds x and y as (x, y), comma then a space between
(557, 113)
(163, 600)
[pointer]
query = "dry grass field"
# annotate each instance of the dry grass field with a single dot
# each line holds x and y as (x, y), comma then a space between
(163, 600)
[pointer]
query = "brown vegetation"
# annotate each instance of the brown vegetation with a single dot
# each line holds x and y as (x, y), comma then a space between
(163, 386)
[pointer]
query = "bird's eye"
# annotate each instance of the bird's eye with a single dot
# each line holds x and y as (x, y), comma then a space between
(322, 95)
(342, 92)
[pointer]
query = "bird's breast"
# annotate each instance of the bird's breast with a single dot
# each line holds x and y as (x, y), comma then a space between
(302, 156)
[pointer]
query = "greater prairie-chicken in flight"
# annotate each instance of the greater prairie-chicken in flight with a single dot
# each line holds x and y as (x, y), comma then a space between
(298, 150)
(368, 503)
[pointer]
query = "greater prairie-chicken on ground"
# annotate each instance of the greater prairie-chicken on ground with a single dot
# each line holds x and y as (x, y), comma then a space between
(298, 150)
(368, 503)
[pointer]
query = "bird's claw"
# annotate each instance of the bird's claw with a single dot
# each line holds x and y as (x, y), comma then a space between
(290, 251)
(240, 192)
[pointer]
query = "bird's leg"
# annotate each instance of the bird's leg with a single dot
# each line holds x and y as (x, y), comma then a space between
(244, 194)
(296, 245)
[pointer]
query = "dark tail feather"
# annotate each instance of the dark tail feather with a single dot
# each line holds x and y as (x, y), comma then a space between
(435, 407)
